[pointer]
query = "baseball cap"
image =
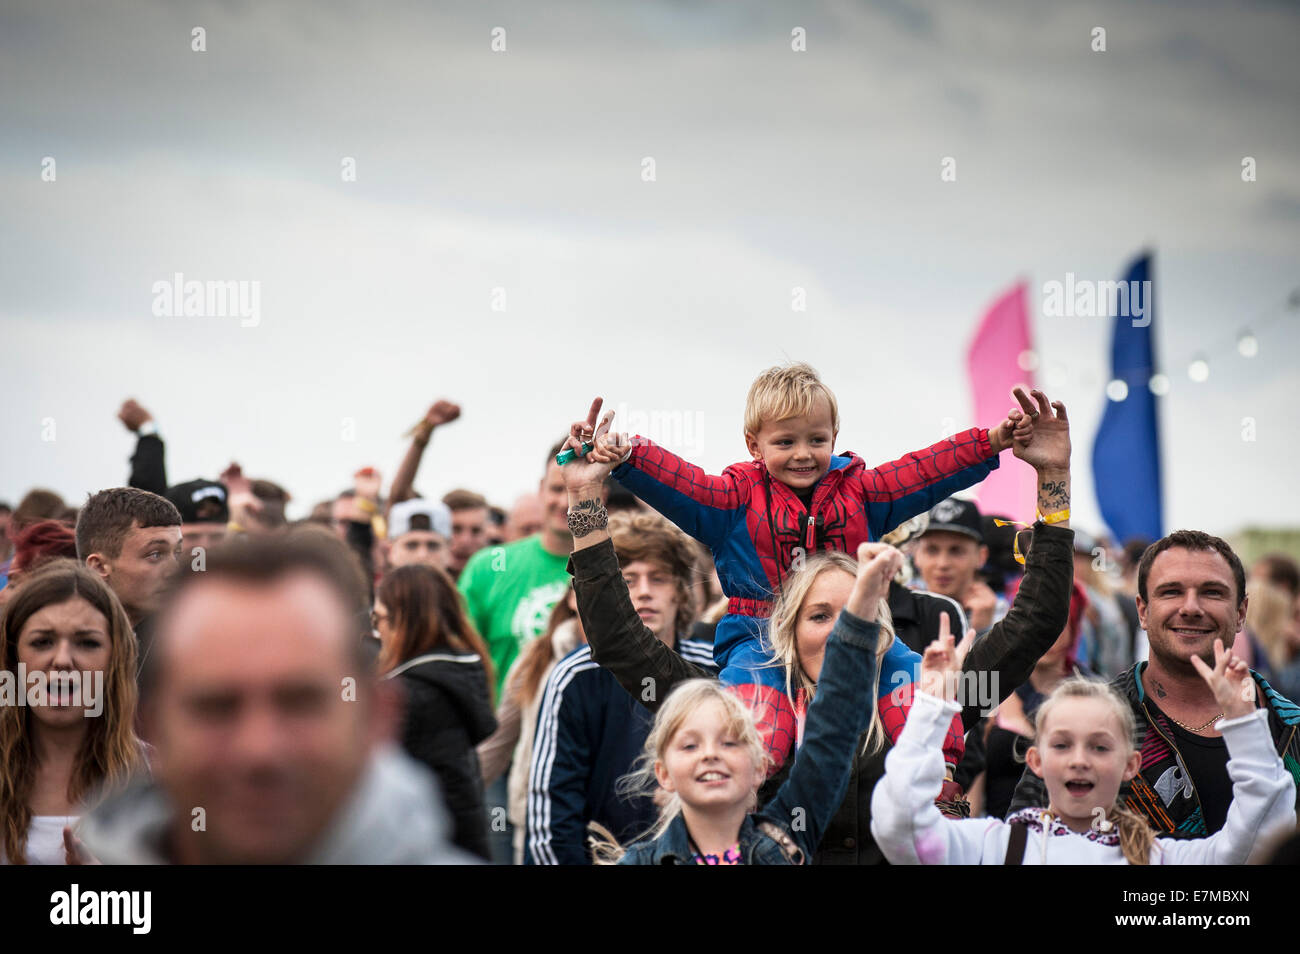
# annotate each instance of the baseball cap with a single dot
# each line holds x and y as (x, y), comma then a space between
(200, 501)
(956, 516)
(419, 514)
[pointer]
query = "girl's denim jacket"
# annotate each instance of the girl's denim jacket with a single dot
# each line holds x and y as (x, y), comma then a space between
(789, 828)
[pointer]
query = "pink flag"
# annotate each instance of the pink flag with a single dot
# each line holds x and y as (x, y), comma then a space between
(994, 364)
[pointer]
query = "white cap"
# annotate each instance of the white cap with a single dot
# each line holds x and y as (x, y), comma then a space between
(437, 518)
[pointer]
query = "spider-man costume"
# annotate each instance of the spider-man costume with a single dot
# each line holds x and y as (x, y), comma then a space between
(757, 526)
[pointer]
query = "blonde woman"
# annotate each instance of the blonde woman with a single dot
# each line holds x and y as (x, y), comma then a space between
(80, 736)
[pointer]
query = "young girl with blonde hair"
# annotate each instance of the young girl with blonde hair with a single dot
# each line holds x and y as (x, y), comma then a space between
(1084, 750)
(708, 758)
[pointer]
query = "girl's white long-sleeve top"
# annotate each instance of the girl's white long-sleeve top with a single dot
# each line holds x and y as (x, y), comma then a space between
(910, 830)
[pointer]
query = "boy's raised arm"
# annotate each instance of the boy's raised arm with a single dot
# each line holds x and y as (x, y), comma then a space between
(702, 505)
(901, 489)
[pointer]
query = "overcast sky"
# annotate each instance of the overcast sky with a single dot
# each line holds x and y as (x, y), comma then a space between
(522, 170)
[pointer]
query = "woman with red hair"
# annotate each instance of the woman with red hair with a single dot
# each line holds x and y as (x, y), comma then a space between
(35, 546)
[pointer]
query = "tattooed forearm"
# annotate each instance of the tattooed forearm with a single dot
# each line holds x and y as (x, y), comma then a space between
(586, 516)
(1053, 495)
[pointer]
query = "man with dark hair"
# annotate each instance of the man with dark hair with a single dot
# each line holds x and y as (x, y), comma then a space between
(510, 590)
(132, 539)
(469, 521)
(590, 730)
(267, 718)
(1191, 594)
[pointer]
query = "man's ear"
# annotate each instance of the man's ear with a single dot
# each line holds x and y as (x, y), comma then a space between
(751, 444)
(100, 565)
(1142, 611)
(388, 706)
(1241, 614)
(984, 554)
(1034, 760)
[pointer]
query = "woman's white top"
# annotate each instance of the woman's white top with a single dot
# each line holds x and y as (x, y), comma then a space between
(45, 840)
(910, 830)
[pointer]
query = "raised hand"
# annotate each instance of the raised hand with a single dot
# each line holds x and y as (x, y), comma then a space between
(877, 565)
(441, 412)
(1018, 426)
(941, 663)
(366, 483)
(981, 604)
(133, 415)
(1229, 680)
(594, 467)
(1048, 445)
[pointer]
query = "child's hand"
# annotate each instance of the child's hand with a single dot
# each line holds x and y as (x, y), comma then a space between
(1230, 681)
(877, 564)
(942, 661)
(1049, 446)
(1018, 426)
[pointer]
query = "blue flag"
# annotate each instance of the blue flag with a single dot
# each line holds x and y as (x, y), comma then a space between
(1126, 453)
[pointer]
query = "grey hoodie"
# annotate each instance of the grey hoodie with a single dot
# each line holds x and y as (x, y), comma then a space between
(391, 818)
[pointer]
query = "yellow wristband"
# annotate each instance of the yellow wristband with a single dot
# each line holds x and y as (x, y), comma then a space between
(1059, 516)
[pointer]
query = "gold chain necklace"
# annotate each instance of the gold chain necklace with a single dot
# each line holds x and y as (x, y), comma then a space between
(1199, 728)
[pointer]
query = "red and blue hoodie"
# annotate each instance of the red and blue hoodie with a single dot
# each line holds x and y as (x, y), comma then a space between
(757, 527)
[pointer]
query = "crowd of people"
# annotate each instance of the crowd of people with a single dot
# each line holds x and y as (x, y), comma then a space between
(801, 660)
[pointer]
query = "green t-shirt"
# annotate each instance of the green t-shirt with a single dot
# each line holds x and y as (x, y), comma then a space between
(509, 592)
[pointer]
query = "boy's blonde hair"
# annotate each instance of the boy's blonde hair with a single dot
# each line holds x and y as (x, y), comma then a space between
(681, 702)
(1135, 835)
(785, 617)
(786, 391)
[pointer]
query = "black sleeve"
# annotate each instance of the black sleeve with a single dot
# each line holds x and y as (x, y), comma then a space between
(973, 759)
(619, 641)
(148, 466)
(1010, 650)
(433, 734)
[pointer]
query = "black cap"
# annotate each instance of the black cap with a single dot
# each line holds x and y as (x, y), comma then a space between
(200, 501)
(956, 516)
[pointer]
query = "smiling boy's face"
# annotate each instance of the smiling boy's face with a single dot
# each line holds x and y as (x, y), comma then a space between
(796, 450)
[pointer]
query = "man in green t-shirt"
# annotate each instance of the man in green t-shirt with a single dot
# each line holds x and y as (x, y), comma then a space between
(510, 590)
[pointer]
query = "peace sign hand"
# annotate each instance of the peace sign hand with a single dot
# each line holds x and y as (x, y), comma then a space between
(941, 663)
(603, 449)
(1229, 680)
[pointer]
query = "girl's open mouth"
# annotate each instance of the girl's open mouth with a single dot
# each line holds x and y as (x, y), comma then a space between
(1079, 787)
